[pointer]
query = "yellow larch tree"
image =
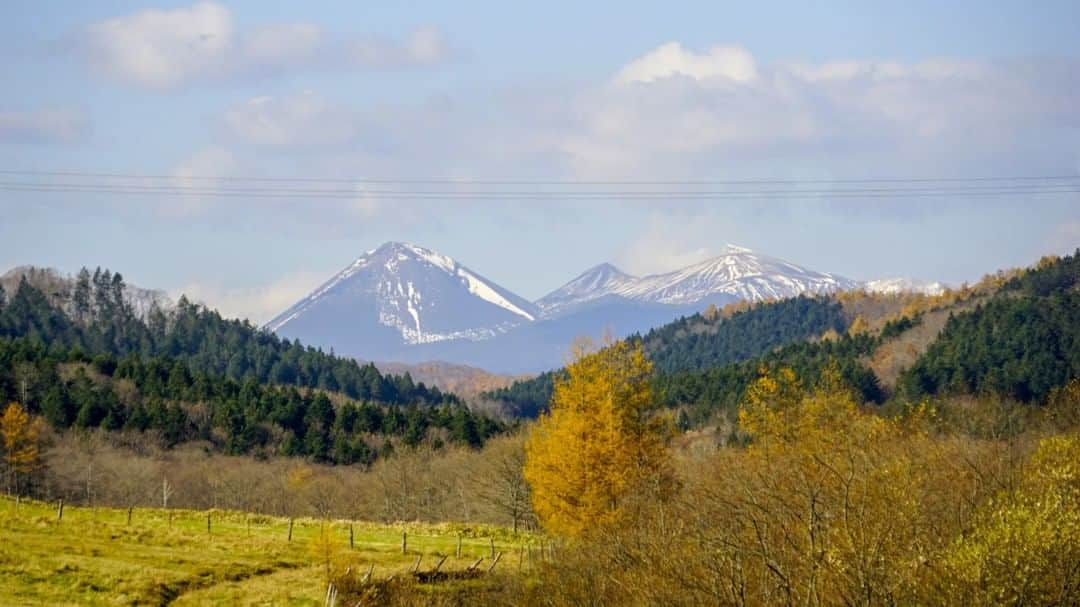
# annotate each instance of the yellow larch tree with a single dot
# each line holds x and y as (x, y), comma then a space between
(21, 434)
(599, 442)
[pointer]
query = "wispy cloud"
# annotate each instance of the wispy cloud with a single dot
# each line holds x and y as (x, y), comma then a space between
(257, 303)
(165, 49)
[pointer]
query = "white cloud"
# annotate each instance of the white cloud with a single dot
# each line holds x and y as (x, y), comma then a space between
(164, 49)
(257, 303)
(797, 121)
(300, 120)
(43, 126)
(731, 62)
(679, 113)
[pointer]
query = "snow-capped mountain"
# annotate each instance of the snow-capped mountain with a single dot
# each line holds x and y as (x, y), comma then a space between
(892, 286)
(738, 273)
(408, 304)
(402, 294)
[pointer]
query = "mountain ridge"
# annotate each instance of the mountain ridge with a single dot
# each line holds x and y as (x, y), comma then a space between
(404, 303)
(738, 271)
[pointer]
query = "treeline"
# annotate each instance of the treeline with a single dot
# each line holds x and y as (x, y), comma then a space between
(165, 396)
(96, 317)
(688, 352)
(1021, 344)
(703, 341)
(705, 393)
(164, 375)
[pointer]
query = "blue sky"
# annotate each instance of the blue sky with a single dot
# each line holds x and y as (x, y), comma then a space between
(626, 91)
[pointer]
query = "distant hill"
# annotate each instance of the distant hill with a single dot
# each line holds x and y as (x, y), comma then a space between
(1015, 334)
(84, 358)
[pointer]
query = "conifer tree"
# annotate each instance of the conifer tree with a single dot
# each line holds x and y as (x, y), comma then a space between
(599, 442)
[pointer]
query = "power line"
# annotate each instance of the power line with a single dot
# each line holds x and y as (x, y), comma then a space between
(870, 180)
(210, 190)
(551, 196)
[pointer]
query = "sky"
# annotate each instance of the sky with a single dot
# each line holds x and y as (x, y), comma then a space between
(346, 95)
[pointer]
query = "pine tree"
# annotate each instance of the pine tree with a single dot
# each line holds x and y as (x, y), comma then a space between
(81, 296)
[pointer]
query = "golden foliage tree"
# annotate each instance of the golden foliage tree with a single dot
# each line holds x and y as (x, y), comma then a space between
(599, 442)
(859, 325)
(21, 435)
(1025, 547)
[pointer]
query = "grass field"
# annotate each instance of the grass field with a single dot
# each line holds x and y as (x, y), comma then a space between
(95, 557)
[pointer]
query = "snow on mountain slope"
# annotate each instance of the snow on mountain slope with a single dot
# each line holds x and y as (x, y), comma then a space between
(423, 296)
(409, 304)
(892, 286)
(738, 273)
(596, 282)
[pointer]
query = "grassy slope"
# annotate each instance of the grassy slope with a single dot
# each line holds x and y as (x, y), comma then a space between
(93, 557)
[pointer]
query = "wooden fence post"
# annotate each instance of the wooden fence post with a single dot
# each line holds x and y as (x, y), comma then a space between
(290, 529)
(207, 522)
(130, 508)
(458, 553)
(350, 536)
(404, 541)
(60, 510)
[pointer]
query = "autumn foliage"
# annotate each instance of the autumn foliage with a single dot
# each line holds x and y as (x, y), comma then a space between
(598, 444)
(826, 502)
(21, 434)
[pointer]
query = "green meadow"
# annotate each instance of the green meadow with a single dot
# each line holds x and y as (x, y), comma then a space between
(95, 556)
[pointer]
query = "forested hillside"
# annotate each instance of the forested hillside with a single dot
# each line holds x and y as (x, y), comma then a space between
(1015, 334)
(713, 339)
(707, 340)
(1021, 344)
(186, 374)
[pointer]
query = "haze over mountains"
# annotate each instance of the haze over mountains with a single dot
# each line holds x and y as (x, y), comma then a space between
(401, 302)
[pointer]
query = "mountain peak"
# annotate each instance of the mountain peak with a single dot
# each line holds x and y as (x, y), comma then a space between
(605, 269)
(420, 294)
(738, 273)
